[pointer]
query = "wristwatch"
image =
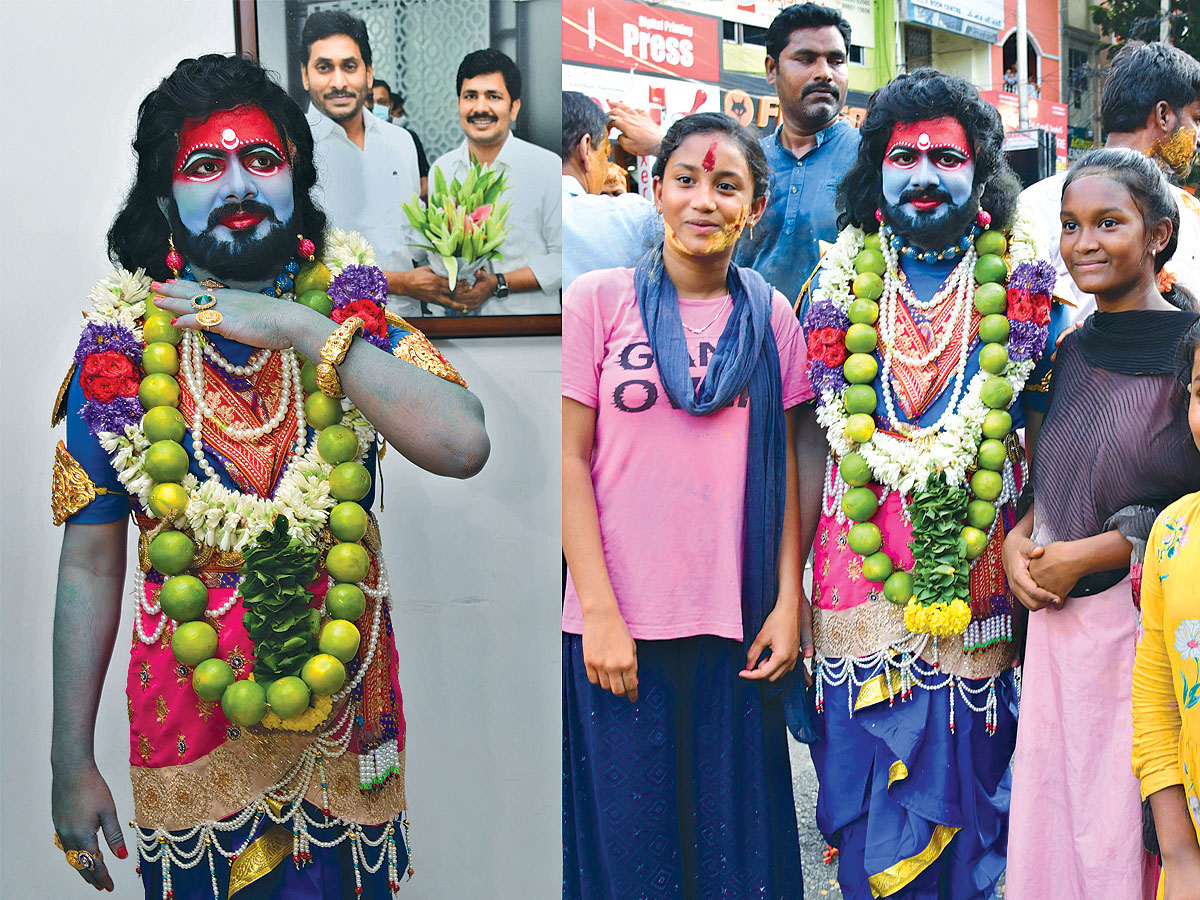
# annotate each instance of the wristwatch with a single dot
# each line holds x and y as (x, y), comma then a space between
(501, 290)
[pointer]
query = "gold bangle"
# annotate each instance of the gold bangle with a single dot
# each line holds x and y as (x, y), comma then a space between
(333, 353)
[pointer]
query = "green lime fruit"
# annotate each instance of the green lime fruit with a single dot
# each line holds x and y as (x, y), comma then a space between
(313, 277)
(168, 500)
(164, 423)
(996, 393)
(877, 567)
(854, 470)
(868, 286)
(993, 358)
(860, 427)
(865, 538)
(991, 299)
(990, 269)
(349, 481)
(183, 597)
(975, 540)
(244, 703)
(160, 356)
(870, 260)
(993, 329)
(166, 461)
(347, 562)
(860, 368)
(860, 398)
(859, 504)
(898, 588)
(345, 601)
(321, 410)
(308, 378)
(288, 697)
(340, 639)
(986, 484)
(992, 455)
(861, 338)
(194, 642)
(157, 328)
(981, 514)
(871, 241)
(991, 242)
(863, 312)
(324, 674)
(171, 552)
(158, 389)
(348, 521)
(337, 444)
(211, 677)
(997, 424)
(318, 300)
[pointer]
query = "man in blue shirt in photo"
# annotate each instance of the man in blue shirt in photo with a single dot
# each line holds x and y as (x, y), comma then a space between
(811, 149)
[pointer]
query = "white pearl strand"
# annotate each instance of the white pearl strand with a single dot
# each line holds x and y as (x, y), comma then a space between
(191, 366)
(253, 366)
(961, 281)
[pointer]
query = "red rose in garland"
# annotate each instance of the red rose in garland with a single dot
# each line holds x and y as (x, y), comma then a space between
(108, 375)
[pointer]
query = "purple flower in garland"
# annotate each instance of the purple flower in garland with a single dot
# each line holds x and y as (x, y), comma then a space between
(358, 283)
(1026, 340)
(112, 416)
(99, 337)
(380, 341)
(1044, 277)
(824, 377)
(823, 314)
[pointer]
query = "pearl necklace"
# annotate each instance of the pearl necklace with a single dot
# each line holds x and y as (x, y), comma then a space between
(253, 366)
(961, 287)
(705, 328)
(191, 366)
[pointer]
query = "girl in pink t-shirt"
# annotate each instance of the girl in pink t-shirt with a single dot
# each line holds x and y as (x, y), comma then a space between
(683, 604)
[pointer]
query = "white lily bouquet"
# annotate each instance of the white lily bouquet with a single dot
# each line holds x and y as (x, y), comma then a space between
(464, 224)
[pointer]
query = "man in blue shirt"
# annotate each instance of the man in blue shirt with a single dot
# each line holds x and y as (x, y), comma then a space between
(599, 232)
(810, 150)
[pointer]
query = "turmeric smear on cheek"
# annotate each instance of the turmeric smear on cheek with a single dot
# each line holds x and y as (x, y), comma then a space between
(722, 240)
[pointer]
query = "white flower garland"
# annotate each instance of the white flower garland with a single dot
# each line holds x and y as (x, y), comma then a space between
(218, 516)
(904, 464)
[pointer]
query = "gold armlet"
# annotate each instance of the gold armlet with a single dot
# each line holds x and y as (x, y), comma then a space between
(332, 355)
(60, 402)
(71, 489)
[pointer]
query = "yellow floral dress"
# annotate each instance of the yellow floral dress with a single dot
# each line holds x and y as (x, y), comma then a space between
(1166, 674)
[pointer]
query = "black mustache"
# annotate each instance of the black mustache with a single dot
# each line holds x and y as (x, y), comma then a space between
(482, 117)
(252, 207)
(931, 194)
(821, 86)
(334, 95)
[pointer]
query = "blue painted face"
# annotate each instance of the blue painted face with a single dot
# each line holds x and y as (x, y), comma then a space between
(232, 181)
(928, 176)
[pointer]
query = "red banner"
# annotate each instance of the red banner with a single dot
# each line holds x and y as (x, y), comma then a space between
(1042, 114)
(649, 39)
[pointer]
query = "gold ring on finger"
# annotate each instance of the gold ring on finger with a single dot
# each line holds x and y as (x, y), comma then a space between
(208, 318)
(81, 860)
(203, 301)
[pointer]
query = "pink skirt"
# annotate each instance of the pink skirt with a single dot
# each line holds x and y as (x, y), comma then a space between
(1075, 827)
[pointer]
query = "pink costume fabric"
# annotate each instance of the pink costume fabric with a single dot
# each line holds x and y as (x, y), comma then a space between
(658, 472)
(1067, 793)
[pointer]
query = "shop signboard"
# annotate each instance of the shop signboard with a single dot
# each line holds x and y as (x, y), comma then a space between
(655, 40)
(1042, 114)
(982, 20)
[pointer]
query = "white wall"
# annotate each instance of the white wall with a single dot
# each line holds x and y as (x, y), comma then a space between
(475, 565)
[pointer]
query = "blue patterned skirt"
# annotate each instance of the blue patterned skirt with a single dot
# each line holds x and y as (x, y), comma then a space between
(684, 795)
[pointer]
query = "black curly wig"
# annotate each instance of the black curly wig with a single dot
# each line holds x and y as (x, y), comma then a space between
(198, 87)
(928, 94)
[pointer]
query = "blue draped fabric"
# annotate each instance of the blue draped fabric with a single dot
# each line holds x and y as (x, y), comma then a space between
(683, 795)
(330, 875)
(958, 780)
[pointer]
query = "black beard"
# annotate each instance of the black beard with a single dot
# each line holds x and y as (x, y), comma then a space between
(247, 258)
(930, 231)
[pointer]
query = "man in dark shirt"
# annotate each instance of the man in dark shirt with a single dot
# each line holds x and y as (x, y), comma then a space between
(810, 150)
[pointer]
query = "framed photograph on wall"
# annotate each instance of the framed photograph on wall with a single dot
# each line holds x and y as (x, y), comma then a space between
(385, 119)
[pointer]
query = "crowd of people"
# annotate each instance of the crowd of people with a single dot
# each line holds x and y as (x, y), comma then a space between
(975, 408)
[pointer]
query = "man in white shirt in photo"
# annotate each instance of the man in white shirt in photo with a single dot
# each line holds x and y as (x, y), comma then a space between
(528, 279)
(367, 168)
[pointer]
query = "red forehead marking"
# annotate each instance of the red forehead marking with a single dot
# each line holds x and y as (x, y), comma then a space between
(710, 158)
(225, 130)
(943, 132)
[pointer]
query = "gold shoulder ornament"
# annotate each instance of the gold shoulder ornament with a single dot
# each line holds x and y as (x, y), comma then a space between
(417, 349)
(71, 489)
